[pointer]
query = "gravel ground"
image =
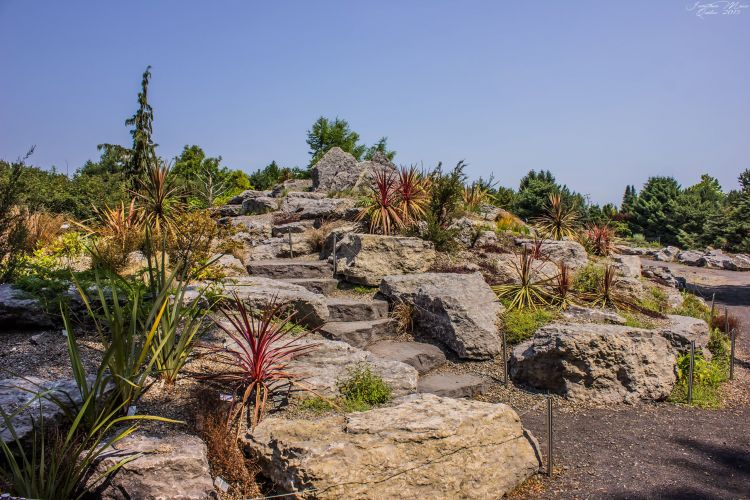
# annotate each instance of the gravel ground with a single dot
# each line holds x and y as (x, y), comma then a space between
(657, 450)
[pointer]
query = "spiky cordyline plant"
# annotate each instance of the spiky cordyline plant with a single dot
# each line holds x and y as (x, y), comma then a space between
(413, 195)
(529, 292)
(599, 239)
(264, 347)
(383, 211)
(158, 195)
(475, 195)
(609, 294)
(558, 221)
(562, 286)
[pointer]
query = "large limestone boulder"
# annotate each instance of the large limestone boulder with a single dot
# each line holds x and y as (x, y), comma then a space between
(310, 308)
(291, 186)
(667, 254)
(279, 247)
(571, 253)
(173, 467)
(330, 361)
(468, 230)
(425, 446)
(740, 262)
(260, 205)
(691, 258)
(662, 275)
(681, 330)
(597, 363)
(19, 309)
(246, 195)
(335, 171)
(457, 310)
(254, 226)
(367, 258)
(302, 206)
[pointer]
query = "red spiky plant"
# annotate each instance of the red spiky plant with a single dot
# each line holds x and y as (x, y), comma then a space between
(383, 209)
(599, 239)
(260, 357)
(413, 195)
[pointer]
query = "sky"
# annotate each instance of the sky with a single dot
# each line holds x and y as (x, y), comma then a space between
(603, 94)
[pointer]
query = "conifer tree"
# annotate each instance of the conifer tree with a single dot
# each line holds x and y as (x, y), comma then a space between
(143, 153)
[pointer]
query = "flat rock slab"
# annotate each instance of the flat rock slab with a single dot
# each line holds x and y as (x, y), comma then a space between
(424, 447)
(330, 362)
(173, 467)
(290, 268)
(593, 315)
(453, 385)
(360, 333)
(310, 308)
(595, 362)
(323, 286)
(423, 357)
(347, 309)
(682, 330)
(457, 310)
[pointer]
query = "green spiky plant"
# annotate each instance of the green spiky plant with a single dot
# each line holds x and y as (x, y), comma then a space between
(529, 291)
(559, 220)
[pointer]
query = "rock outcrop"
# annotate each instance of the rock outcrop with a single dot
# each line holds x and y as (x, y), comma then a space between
(335, 171)
(367, 258)
(682, 330)
(571, 253)
(425, 446)
(457, 310)
(174, 467)
(598, 363)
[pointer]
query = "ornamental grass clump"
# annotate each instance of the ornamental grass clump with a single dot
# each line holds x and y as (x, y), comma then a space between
(598, 239)
(382, 209)
(259, 358)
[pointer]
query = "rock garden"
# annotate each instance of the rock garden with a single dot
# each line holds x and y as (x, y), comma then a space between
(372, 332)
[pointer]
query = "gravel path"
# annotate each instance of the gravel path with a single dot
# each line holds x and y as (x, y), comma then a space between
(658, 450)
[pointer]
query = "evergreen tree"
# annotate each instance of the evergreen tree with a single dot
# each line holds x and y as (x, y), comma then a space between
(533, 194)
(143, 152)
(731, 227)
(326, 134)
(382, 147)
(694, 207)
(653, 212)
(628, 201)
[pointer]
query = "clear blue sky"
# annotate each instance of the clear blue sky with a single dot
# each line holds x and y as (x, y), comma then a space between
(602, 93)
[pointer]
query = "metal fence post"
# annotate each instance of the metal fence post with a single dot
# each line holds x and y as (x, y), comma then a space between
(731, 354)
(690, 372)
(550, 462)
(505, 359)
(334, 255)
(291, 251)
(726, 321)
(713, 305)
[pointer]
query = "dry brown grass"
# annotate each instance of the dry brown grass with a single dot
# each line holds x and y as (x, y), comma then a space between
(43, 228)
(719, 321)
(316, 237)
(224, 454)
(403, 313)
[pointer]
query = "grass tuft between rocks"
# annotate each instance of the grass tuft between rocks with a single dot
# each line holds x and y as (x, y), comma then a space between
(520, 324)
(361, 390)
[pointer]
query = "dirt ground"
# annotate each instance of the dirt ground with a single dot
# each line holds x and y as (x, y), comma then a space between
(658, 450)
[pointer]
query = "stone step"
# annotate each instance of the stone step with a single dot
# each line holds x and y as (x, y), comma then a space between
(290, 268)
(423, 357)
(347, 309)
(360, 333)
(323, 286)
(453, 385)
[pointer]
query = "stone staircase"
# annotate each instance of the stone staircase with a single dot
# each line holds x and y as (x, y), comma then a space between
(364, 323)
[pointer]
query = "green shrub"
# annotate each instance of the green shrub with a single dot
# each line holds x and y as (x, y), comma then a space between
(707, 379)
(443, 238)
(692, 306)
(520, 324)
(363, 389)
(364, 290)
(588, 279)
(655, 299)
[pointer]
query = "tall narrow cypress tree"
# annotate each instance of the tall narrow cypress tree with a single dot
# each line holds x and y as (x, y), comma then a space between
(143, 153)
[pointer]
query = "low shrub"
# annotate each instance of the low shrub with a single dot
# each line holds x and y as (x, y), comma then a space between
(363, 389)
(692, 306)
(189, 243)
(707, 379)
(655, 299)
(726, 323)
(588, 278)
(520, 324)
(509, 222)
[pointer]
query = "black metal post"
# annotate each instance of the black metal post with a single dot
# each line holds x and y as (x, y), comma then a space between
(713, 305)
(550, 462)
(334, 255)
(690, 372)
(731, 355)
(505, 359)
(291, 251)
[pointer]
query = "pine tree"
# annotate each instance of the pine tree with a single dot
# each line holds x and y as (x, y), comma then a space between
(326, 134)
(628, 200)
(653, 212)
